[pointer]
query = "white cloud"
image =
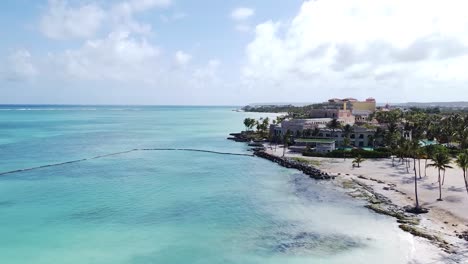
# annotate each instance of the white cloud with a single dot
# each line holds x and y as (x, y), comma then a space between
(123, 60)
(142, 5)
(118, 57)
(335, 46)
(122, 14)
(62, 21)
(242, 13)
(206, 75)
(20, 67)
(182, 58)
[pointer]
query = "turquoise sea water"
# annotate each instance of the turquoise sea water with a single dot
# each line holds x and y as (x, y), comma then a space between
(168, 206)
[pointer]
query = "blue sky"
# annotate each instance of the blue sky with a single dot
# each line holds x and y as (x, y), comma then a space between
(231, 52)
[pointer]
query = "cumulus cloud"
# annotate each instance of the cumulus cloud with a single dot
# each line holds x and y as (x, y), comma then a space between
(142, 5)
(341, 43)
(65, 21)
(182, 58)
(241, 15)
(124, 55)
(124, 59)
(62, 21)
(206, 74)
(118, 57)
(122, 14)
(20, 67)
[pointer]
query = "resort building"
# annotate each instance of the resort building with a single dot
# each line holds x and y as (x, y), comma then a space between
(359, 137)
(342, 115)
(298, 126)
(313, 132)
(314, 144)
(346, 111)
(369, 106)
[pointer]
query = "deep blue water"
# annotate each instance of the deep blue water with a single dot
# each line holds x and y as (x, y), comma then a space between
(165, 206)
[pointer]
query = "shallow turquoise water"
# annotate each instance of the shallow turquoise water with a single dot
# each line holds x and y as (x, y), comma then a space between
(168, 207)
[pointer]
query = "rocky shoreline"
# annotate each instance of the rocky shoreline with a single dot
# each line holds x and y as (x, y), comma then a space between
(380, 204)
(259, 151)
(356, 188)
(376, 202)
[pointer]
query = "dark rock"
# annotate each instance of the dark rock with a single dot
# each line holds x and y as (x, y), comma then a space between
(416, 210)
(288, 163)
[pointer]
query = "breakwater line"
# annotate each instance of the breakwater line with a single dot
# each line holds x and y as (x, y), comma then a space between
(123, 152)
(196, 150)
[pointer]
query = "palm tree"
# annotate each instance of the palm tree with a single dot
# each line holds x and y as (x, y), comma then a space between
(431, 150)
(441, 161)
(425, 155)
(462, 162)
(414, 153)
(358, 160)
(249, 123)
(346, 143)
(333, 125)
(347, 130)
(404, 151)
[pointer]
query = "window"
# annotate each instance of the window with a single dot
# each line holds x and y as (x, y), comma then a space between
(361, 136)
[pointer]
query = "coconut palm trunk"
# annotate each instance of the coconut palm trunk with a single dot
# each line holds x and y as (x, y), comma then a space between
(462, 162)
(443, 178)
(466, 180)
(440, 188)
(425, 168)
(416, 185)
(419, 165)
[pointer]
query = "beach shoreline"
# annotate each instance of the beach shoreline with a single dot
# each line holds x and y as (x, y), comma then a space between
(439, 234)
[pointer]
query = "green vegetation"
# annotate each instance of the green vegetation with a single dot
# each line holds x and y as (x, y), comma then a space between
(249, 123)
(462, 163)
(358, 160)
(340, 153)
(261, 126)
(307, 161)
(441, 161)
(314, 140)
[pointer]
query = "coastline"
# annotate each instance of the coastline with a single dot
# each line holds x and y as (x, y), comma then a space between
(441, 234)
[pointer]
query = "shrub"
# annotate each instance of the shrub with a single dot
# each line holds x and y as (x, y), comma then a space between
(380, 154)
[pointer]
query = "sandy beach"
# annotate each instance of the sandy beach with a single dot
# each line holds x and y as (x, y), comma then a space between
(446, 219)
